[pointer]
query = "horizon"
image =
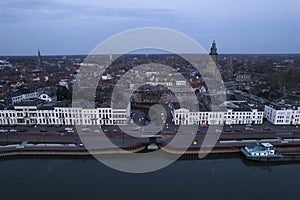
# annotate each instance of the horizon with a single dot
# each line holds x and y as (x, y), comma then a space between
(220, 54)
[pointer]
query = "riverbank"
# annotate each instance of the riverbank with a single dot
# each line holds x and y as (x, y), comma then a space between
(65, 151)
(81, 151)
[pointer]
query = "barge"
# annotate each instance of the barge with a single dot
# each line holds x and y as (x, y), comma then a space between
(266, 152)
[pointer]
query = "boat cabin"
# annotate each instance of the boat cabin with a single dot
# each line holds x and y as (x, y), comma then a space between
(262, 149)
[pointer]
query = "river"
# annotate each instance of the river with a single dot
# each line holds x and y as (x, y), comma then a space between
(86, 178)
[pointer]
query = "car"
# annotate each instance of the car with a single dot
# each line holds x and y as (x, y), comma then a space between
(13, 130)
(138, 128)
(60, 130)
(43, 130)
(23, 130)
(238, 130)
(115, 131)
(268, 129)
(81, 145)
(227, 130)
(85, 129)
(3, 131)
(249, 128)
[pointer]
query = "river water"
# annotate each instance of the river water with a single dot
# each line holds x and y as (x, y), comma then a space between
(86, 178)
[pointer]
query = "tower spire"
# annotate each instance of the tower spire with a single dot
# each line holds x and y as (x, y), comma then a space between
(39, 60)
(110, 59)
(213, 51)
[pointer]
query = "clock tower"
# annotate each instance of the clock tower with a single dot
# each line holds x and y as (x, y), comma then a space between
(213, 52)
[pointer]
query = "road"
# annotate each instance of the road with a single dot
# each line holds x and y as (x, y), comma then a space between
(231, 137)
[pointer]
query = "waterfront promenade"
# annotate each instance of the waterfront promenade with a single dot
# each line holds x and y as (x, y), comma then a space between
(43, 140)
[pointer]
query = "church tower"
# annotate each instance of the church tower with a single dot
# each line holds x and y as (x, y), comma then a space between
(110, 59)
(213, 52)
(39, 60)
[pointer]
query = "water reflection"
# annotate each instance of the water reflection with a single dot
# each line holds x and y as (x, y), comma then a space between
(215, 177)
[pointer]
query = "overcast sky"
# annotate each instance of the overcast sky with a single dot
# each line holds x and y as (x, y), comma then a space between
(77, 26)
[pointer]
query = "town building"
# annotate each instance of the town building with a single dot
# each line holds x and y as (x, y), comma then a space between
(243, 77)
(43, 114)
(47, 114)
(282, 115)
(5, 63)
(237, 112)
(22, 97)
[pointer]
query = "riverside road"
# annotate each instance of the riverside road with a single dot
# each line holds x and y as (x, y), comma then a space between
(230, 136)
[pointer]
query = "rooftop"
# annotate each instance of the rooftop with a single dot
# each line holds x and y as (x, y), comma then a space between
(238, 106)
(284, 106)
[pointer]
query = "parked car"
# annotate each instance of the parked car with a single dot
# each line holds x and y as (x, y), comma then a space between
(268, 128)
(43, 130)
(85, 129)
(23, 130)
(227, 130)
(116, 131)
(3, 130)
(13, 130)
(81, 145)
(247, 128)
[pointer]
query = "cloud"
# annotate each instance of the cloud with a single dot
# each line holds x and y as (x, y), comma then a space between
(15, 11)
(33, 10)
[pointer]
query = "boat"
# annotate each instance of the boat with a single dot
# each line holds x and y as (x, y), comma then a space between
(261, 152)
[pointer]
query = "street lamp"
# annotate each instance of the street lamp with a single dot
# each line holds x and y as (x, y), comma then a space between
(44, 139)
(293, 136)
(123, 140)
(6, 137)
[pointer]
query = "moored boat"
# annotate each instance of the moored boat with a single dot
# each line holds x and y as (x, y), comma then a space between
(262, 152)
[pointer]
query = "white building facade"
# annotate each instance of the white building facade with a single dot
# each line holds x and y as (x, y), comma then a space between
(243, 117)
(229, 117)
(282, 116)
(31, 115)
(20, 98)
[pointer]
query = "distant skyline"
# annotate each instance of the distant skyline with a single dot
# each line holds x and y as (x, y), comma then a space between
(68, 27)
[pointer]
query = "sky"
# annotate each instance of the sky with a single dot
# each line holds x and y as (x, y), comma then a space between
(64, 27)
